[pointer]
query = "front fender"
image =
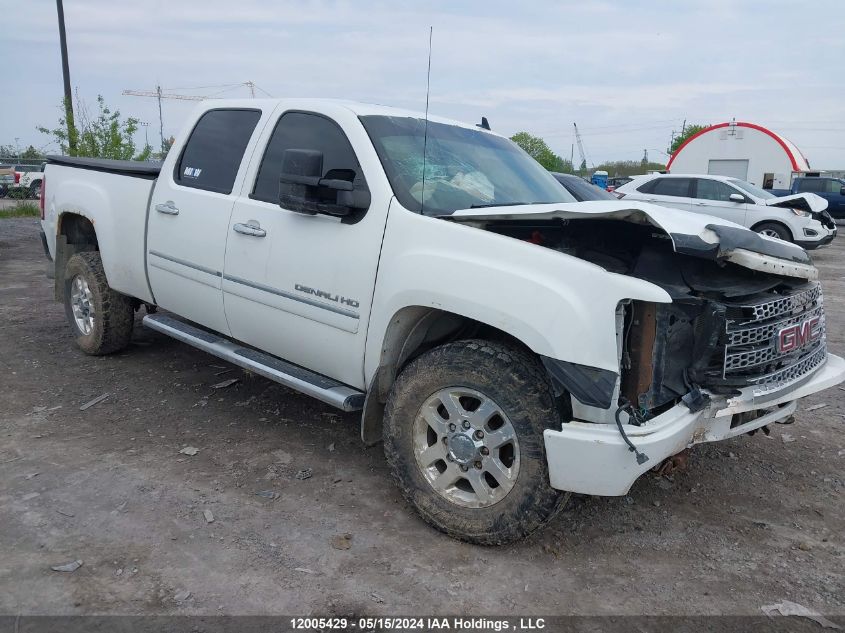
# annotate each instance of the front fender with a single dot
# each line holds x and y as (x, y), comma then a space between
(559, 306)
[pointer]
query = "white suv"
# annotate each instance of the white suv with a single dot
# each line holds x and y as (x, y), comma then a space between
(801, 219)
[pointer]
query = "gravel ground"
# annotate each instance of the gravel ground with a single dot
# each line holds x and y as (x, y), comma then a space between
(754, 520)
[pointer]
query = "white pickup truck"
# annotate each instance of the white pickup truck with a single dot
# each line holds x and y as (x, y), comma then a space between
(508, 344)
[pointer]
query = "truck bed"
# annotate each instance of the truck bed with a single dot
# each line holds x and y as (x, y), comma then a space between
(113, 195)
(136, 168)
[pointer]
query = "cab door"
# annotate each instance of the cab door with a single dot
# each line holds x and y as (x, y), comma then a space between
(189, 216)
(713, 197)
(300, 286)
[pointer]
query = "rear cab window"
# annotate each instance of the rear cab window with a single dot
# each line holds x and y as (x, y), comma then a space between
(213, 153)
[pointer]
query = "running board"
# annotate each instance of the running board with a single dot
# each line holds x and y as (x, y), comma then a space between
(278, 370)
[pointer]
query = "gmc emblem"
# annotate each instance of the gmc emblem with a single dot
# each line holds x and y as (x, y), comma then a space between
(798, 335)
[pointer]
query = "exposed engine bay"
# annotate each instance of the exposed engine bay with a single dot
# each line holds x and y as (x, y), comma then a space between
(728, 327)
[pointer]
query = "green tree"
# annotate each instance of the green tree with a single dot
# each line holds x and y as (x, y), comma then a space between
(105, 135)
(689, 131)
(168, 143)
(629, 167)
(537, 149)
(30, 153)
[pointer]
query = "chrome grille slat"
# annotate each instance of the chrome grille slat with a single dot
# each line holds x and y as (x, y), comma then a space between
(784, 305)
(784, 377)
(764, 333)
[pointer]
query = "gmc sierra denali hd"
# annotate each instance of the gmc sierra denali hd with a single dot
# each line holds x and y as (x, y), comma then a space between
(508, 344)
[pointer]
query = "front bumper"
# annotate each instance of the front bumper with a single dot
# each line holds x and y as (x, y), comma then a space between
(593, 459)
(816, 243)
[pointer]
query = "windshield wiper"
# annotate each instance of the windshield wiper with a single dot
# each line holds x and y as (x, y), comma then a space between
(499, 204)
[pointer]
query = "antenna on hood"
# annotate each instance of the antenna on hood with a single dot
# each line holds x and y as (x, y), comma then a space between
(425, 129)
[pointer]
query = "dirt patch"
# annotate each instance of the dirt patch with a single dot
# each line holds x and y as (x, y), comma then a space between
(753, 521)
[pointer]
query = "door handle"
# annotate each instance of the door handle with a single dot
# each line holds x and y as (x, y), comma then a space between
(168, 208)
(251, 228)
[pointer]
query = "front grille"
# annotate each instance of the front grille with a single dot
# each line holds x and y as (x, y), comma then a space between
(751, 355)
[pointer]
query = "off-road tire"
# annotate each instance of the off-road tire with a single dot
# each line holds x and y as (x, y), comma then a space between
(781, 231)
(114, 315)
(519, 385)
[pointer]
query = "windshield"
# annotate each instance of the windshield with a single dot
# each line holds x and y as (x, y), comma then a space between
(464, 168)
(753, 190)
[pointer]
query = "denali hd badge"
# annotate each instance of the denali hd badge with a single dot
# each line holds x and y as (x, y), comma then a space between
(322, 294)
(797, 336)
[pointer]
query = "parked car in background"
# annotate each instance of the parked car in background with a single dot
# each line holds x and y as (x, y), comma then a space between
(618, 181)
(7, 180)
(582, 190)
(29, 176)
(801, 219)
(831, 189)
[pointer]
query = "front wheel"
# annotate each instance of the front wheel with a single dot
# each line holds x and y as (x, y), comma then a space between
(770, 229)
(463, 435)
(101, 318)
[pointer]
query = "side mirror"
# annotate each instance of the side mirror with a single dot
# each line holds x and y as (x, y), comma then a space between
(736, 197)
(842, 191)
(304, 189)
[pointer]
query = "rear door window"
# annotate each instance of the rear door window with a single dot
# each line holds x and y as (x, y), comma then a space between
(214, 151)
(676, 187)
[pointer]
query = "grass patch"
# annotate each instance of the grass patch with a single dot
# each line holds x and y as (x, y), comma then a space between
(22, 209)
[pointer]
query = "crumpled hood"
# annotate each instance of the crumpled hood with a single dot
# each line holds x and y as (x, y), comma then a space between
(803, 201)
(692, 234)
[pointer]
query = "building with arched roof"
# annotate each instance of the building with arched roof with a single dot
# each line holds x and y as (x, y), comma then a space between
(741, 150)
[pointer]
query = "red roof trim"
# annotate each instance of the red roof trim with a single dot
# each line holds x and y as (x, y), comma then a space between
(753, 126)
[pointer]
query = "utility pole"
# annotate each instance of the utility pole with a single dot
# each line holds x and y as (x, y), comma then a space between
(71, 128)
(160, 119)
(145, 125)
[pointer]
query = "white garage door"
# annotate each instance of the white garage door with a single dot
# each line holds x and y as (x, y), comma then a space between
(731, 168)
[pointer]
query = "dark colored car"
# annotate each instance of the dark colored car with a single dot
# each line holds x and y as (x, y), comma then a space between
(582, 190)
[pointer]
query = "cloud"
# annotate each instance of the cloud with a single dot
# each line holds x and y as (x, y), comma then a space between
(530, 65)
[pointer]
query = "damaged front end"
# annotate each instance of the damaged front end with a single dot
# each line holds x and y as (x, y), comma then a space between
(742, 339)
(727, 328)
(733, 293)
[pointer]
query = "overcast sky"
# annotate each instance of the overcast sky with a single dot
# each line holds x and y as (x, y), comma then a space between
(628, 72)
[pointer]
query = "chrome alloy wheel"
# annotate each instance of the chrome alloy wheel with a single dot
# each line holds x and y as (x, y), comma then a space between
(770, 233)
(466, 447)
(81, 302)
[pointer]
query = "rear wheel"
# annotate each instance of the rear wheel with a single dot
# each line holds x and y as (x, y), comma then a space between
(770, 229)
(101, 318)
(463, 435)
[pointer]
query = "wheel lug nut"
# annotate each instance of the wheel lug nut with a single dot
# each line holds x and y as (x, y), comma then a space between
(452, 427)
(464, 468)
(465, 424)
(445, 440)
(485, 450)
(479, 434)
(477, 465)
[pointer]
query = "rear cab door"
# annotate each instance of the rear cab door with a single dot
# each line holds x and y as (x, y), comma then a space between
(189, 213)
(713, 197)
(300, 286)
